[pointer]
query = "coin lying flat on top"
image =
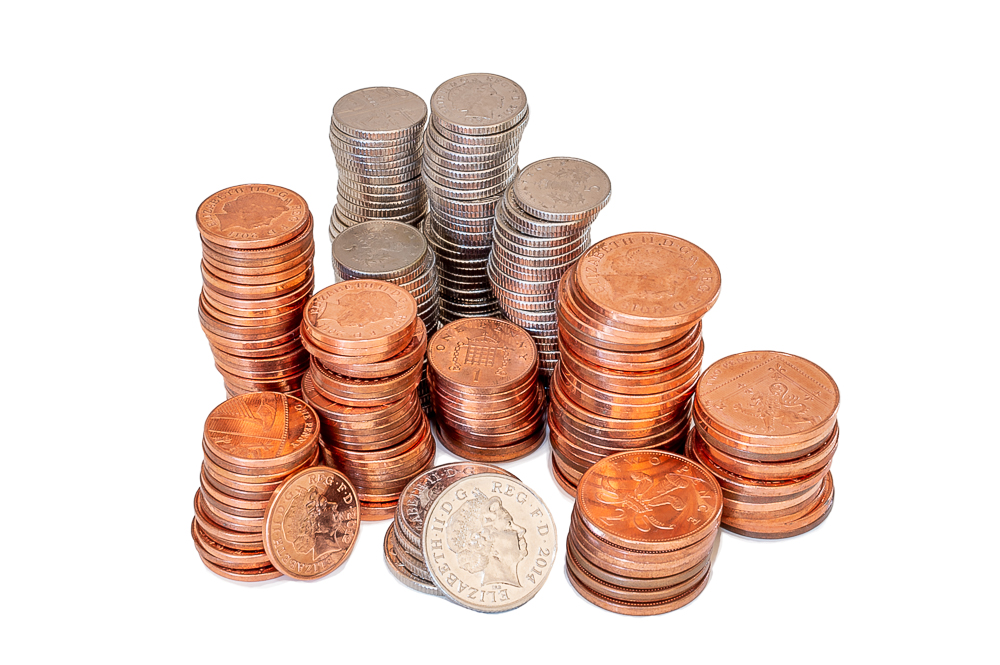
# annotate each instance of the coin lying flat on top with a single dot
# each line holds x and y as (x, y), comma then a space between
(489, 542)
(312, 523)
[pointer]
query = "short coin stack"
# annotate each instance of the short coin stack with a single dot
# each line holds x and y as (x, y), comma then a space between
(396, 253)
(642, 532)
(367, 347)
(488, 402)
(252, 443)
(631, 349)
(470, 157)
(403, 539)
(377, 138)
(766, 426)
(257, 269)
(542, 227)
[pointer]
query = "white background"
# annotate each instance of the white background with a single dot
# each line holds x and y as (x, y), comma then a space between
(840, 162)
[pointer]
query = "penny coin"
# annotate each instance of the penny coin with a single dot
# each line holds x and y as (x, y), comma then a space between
(350, 317)
(312, 523)
(489, 542)
(482, 355)
(262, 430)
(634, 608)
(261, 574)
(252, 216)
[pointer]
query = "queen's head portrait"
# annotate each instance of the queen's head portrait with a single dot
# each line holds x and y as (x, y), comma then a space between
(487, 541)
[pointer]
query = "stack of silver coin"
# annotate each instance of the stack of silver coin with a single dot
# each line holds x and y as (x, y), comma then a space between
(470, 157)
(542, 227)
(377, 138)
(396, 253)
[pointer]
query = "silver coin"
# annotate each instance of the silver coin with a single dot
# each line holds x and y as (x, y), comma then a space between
(404, 187)
(443, 191)
(380, 113)
(478, 104)
(505, 216)
(481, 184)
(562, 189)
(549, 261)
(461, 222)
(534, 320)
(472, 209)
(381, 250)
(360, 180)
(519, 286)
(490, 144)
(463, 138)
(524, 222)
(459, 166)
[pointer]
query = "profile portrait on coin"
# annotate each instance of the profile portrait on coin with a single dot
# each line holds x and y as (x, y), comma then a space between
(641, 272)
(484, 536)
(250, 211)
(312, 524)
(364, 307)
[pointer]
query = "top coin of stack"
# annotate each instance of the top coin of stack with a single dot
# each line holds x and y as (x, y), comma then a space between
(252, 443)
(766, 426)
(470, 157)
(258, 273)
(642, 532)
(377, 138)
(542, 227)
(631, 349)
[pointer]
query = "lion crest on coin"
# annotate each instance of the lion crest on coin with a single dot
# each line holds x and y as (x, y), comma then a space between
(251, 211)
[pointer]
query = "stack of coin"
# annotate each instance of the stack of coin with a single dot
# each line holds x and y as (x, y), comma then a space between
(399, 254)
(488, 402)
(470, 158)
(542, 227)
(367, 346)
(257, 268)
(631, 349)
(642, 532)
(312, 523)
(766, 426)
(252, 443)
(377, 138)
(402, 546)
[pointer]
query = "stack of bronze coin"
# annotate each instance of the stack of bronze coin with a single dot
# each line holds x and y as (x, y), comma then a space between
(542, 227)
(252, 443)
(470, 157)
(642, 532)
(766, 426)
(377, 138)
(399, 254)
(402, 545)
(488, 402)
(367, 346)
(257, 268)
(630, 341)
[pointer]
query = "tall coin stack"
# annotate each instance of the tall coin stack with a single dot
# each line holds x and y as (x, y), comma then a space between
(630, 341)
(399, 254)
(377, 138)
(367, 347)
(470, 158)
(766, 426)
(403, 546)
(642, 532)
(257, 269)
(252, 443)
(542, 227)
(484, 382)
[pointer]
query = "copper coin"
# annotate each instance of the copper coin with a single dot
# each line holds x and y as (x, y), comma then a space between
(228, 520)
(224, 556)
(376, 512)
(627, 594)
(637, 608)
(312, 523)
(785, 527)
(235, 539)
(352, 390)
(769, 400)
(412, 354)
(798, 467)
(603, 426)
(262, 430)
(255, 575)
(629, 582)
(563, 479)
(482, 356)
(650, 500)
(351, 316)
(262, 256)
(341, 415)
(504, 453)
(252, 216)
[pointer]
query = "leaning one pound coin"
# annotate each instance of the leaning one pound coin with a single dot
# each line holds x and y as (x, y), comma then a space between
(489, 542)
(312, 523)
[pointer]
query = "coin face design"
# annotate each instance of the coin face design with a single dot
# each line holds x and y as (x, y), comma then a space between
(312, 523)
(766, 393)
(379, 109)
(489, 542)
(642, 275)
(260, 426)
(360, 309)
(563, 188)
(479, 100)
(482, 353)
(252, 216)
(379, 247)
(417, 498)
(659, 500)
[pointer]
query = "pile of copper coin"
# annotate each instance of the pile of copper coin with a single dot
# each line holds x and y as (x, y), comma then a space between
(542, 227)
(252, 443)
(488, 402)
(642, 532)
(399, 254)
(470, 157)
(257, 269)
(766, 426)
(377, 138)
(630, 341)
(367, 346)
(403, 546)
